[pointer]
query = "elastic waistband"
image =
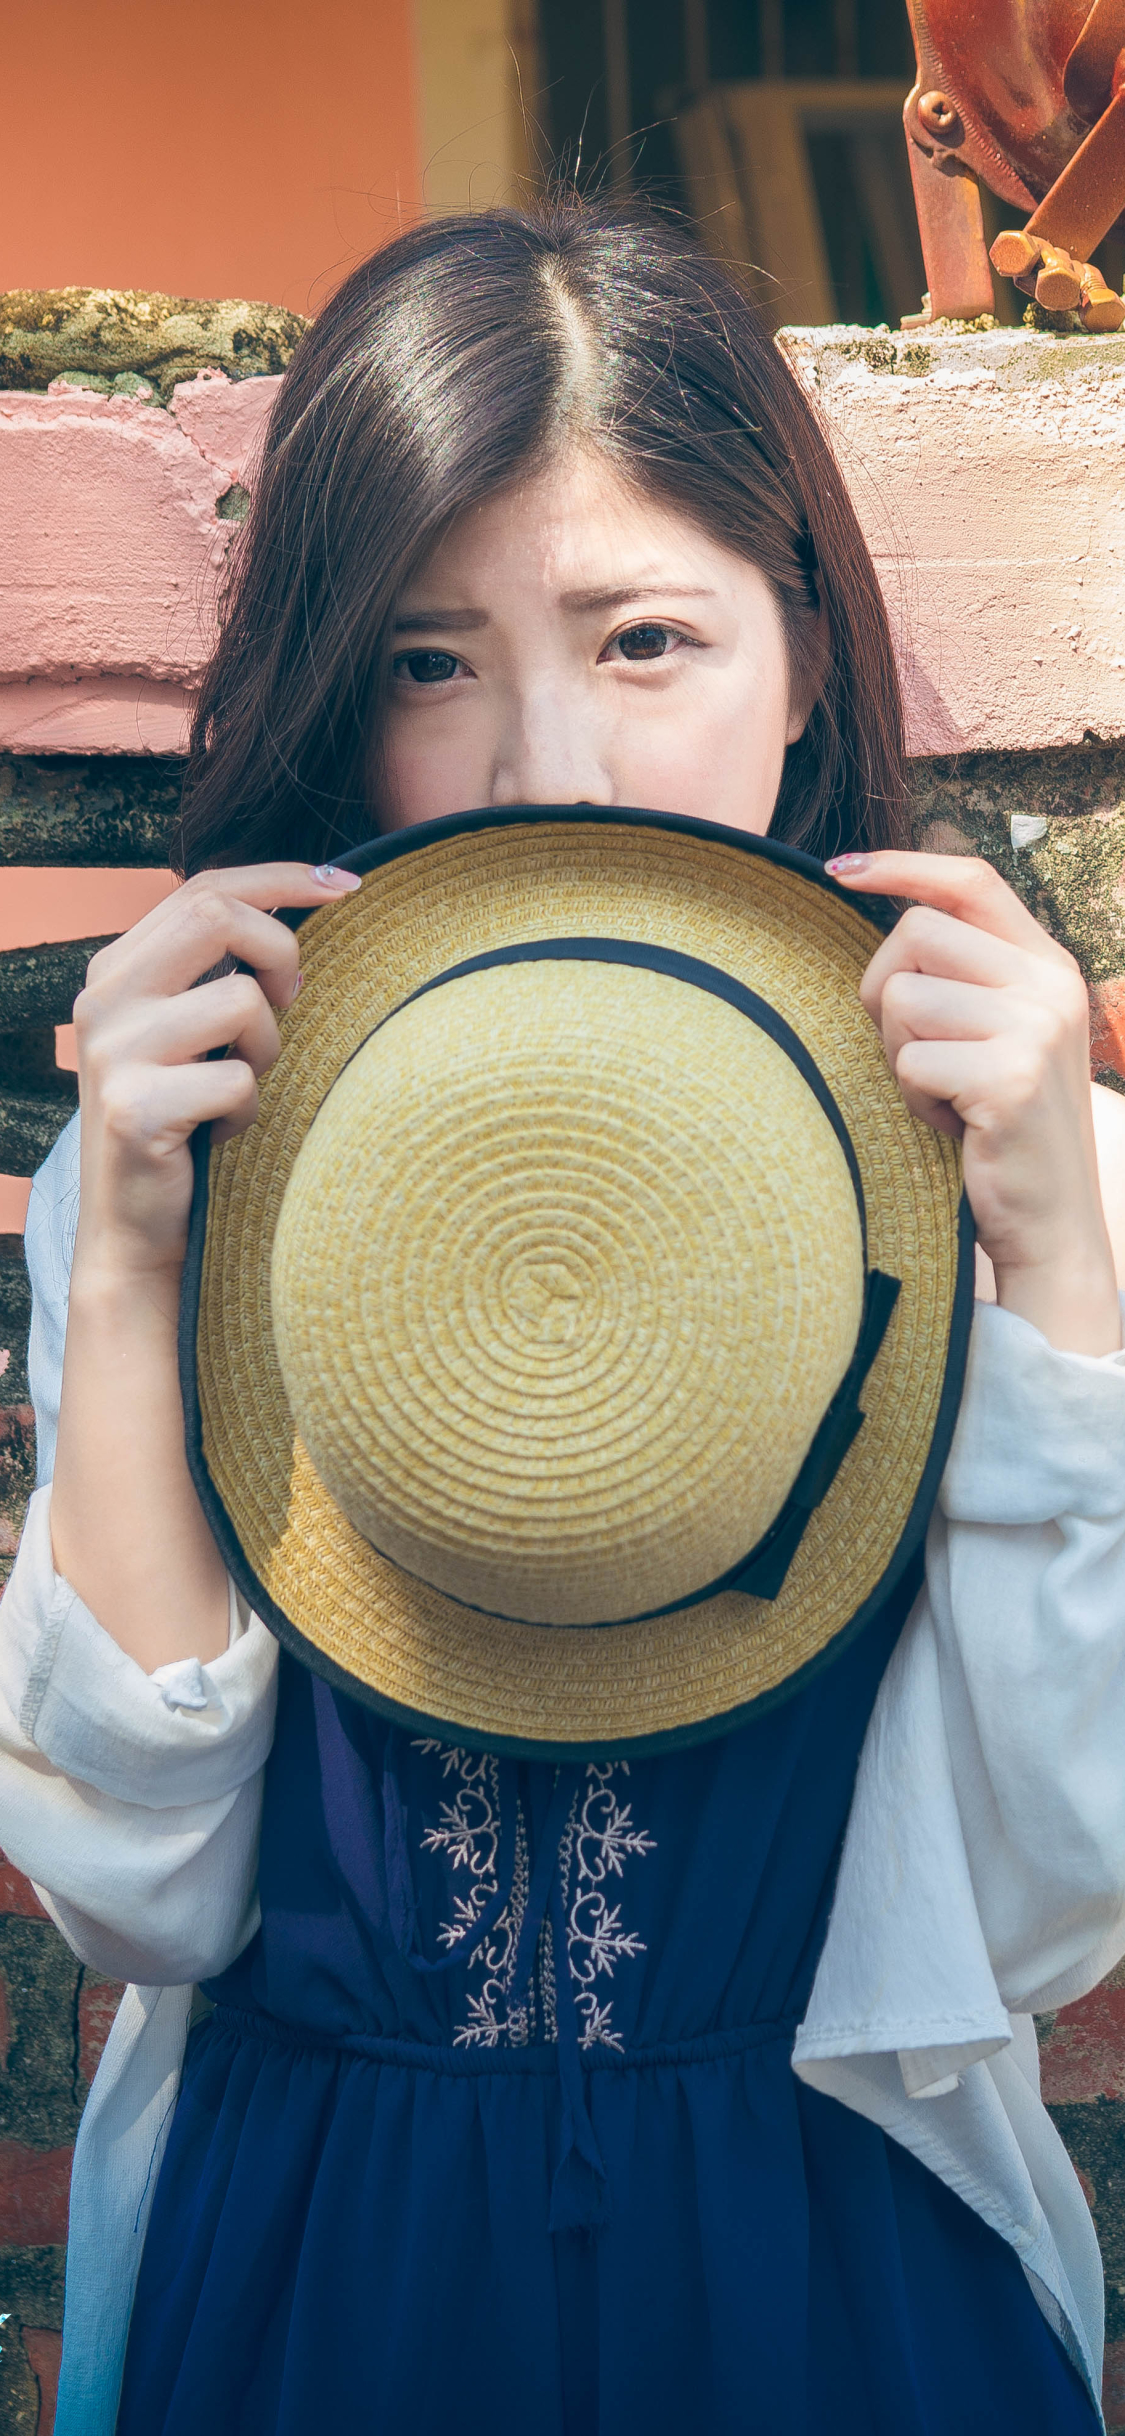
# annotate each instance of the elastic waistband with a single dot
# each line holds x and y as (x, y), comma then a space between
(420, 2057)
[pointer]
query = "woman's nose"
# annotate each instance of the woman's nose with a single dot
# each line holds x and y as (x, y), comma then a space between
(551, 753)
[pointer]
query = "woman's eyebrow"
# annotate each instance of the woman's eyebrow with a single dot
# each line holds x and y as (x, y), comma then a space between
(617, 596)
(456, 621)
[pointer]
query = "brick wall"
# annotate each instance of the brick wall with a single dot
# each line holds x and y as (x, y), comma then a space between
(1082, 2061)
(55, 2017)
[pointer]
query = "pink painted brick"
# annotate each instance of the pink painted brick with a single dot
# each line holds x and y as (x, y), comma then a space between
(985, 471)
(113, 555)
(109, 515)
(226, 420)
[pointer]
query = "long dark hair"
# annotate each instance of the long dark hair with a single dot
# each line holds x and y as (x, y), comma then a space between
(454, 358)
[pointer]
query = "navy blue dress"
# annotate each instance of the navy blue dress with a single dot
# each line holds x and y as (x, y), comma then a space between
(493, 2129)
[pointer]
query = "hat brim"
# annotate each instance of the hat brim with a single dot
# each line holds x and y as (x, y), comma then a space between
(432, 897)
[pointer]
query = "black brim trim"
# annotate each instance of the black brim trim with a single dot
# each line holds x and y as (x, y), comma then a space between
(881, 912)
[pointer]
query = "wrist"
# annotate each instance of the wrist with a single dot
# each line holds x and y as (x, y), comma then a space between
(1073, 1302)
(109, 1288)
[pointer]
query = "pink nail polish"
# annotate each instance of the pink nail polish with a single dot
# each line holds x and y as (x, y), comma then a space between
(844, 865)
(298, 985)
(329, 875)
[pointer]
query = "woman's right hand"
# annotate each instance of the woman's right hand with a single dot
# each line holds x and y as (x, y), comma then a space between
(145, 1023)
(129, 1533)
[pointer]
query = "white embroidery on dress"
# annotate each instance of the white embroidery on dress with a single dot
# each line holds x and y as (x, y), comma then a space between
(602, 1837)
(598, 1838)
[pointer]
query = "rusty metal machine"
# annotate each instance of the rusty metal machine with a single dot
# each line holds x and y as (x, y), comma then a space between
(1028, 97)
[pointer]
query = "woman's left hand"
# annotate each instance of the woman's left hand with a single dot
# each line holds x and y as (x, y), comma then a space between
(985, 1022)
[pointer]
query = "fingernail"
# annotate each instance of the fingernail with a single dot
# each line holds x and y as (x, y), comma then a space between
(844, 865)
(298, 985)
(330, 875)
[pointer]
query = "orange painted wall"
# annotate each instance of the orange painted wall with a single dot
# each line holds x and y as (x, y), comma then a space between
(204, 147)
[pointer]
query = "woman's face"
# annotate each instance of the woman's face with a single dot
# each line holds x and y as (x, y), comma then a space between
(569, 642)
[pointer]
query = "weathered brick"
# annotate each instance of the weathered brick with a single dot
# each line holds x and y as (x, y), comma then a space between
(5, 2024)
(40, 2100)
(17, 1893)
(44, 2351)
(19, 2385)
(98, 2000)
(1094, 2133)
(1082, 2055)
(34, 2193)
(32, 2281)
(1113, 2388)
(15, 1317)
(17, 1477)
(31, 2312)
(73, 808)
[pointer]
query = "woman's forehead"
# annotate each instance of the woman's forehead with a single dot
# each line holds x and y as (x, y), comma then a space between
(578, 528)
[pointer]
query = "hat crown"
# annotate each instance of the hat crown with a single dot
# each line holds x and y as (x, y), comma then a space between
(567, 1270)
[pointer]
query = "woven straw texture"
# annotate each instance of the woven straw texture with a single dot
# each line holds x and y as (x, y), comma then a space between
(576, 1328)
(412, 1646)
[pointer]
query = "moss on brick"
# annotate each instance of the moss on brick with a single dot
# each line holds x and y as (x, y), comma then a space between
(15, 1319)
(1073, 877)
(1095, 2136)
(39, 2097)
(1070, 878)
(31, 2285)
(19, 2386)
(17, 1477)
(95, 809)
(49, 334)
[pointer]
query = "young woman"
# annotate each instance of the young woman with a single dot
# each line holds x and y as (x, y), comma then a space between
(543, 517)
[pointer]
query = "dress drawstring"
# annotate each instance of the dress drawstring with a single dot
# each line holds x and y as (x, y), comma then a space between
(580, 2187)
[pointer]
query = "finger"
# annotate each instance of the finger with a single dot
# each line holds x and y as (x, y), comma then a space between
(928, 941)
(230, 1013)
(962, 885)
(924, 1006)
(208, 908)
(976, 1079)
(144, 1107)
(209, 927)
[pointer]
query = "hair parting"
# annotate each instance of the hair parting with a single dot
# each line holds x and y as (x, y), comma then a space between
(469, 351)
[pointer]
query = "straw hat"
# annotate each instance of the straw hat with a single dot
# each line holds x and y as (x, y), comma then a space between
(572, 1347)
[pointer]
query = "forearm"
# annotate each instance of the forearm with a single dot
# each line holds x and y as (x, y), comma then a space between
(1072, 1301)
(127, 1527)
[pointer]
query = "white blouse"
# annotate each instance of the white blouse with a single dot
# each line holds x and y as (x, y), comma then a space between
(982, 1879)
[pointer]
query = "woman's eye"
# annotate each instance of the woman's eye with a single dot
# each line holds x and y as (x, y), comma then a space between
(646, 642)
(427, 667)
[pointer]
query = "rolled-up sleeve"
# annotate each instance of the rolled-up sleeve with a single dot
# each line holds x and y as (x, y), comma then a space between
(132, 1801)
(1026, 1577)
(983, 1872)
